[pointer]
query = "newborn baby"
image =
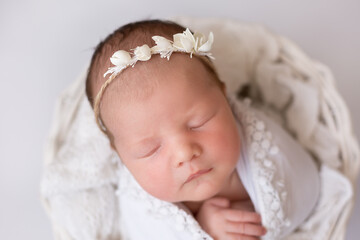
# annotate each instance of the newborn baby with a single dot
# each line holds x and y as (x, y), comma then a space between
(171, 124)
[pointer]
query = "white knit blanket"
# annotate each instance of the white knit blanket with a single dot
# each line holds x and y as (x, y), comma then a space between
(81, 173)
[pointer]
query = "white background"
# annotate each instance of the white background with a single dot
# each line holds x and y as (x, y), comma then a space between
(44, 45)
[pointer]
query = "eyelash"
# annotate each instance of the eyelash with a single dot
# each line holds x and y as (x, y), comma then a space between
(152, 152)
(200, 125)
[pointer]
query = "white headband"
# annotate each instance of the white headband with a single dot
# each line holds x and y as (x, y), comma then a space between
(182, 42)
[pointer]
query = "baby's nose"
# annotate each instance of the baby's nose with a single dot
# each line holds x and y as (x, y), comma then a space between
(187, 152)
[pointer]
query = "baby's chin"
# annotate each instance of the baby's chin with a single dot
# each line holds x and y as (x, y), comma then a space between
(197, 196)
(201, 194)
(197, 190)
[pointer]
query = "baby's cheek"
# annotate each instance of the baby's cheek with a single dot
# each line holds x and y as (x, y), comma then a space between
(226, 147)
(160, 184)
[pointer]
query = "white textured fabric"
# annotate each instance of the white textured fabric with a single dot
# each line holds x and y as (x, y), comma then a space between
(79, 176)
(298, 93)
(279, 175)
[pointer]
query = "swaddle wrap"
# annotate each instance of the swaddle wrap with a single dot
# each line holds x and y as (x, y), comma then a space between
(280, 177)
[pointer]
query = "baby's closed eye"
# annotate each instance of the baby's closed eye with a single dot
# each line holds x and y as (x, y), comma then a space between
(147, 153)
(201, 123)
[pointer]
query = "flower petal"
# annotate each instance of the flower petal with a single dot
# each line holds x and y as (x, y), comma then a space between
(120, 58)
(143, 53)
(177, 41)
(162, 42)
(199, 40)
(187, 44)
(189, 35)
(207, 46)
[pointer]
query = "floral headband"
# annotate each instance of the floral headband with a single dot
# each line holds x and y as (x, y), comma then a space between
(182, 42)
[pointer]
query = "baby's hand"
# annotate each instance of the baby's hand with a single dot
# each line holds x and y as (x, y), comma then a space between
(222, 222)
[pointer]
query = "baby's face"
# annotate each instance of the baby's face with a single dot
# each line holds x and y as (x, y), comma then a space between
(183, 127)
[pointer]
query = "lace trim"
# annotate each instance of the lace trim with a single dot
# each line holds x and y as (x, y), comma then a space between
(268, 187)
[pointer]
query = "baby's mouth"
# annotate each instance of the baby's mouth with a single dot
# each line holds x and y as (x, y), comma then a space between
(197, 174)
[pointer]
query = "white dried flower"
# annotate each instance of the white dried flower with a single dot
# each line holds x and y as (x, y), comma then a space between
(142, 53)
(203, 46)
(162, 44)
(184, 41)
(120, 58)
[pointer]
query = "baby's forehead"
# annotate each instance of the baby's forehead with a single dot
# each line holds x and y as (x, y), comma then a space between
(183, 77)
(140, 81)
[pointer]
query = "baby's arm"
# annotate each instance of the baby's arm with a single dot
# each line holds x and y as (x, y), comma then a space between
(225, 220)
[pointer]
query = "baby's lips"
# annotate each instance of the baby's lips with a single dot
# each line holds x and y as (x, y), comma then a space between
(198, 173)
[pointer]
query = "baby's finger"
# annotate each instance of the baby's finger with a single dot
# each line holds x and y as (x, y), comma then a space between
(245, 228)
(241, 216)
(219, 202)
(234, 236)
